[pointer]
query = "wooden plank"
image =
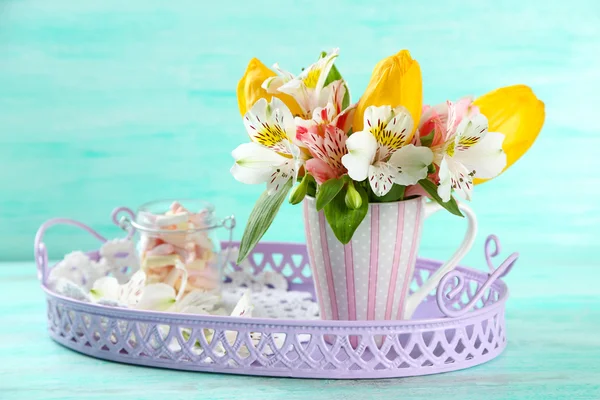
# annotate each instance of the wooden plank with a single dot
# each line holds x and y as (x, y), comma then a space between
(553, 353)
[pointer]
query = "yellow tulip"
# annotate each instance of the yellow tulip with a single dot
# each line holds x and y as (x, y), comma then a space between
(395, 81)
(249, 89)
(516, 112)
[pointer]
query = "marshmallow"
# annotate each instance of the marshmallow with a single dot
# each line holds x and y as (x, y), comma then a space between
(160, 251)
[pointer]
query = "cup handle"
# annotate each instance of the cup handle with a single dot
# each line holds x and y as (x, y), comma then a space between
(431, 208)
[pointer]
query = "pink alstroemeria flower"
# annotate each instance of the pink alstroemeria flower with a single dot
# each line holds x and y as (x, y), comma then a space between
(327, 152)
(325, 135)
(435, 118)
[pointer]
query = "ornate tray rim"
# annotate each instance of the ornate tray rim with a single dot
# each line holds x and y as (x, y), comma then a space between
(461, 319)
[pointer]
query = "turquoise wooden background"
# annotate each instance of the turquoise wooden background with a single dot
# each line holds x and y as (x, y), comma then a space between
(107, 103)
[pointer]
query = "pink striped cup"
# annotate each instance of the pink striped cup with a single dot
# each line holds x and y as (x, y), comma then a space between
(369, 278)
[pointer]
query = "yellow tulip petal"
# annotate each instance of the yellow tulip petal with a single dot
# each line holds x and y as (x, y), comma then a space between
(516, 112)
(249, 89)
(395, 81)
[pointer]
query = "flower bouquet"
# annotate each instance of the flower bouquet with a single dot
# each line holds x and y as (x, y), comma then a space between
(370, 172)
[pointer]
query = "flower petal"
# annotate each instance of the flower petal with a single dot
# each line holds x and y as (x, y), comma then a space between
(381, 177)
(281, 174)
(196, 302)
(454, 175)
(344, 120)
(106, 288)
(362, 147)
(395, 81)
(338, 91)
(320, 170)
(486, 159)
(324, 65)
(244, 306)
(250, 90)
(131, 292)
(391, 128)
(255, 163)
(411, 163)
(469, 131)
(271, 124)
(334, 144)
(397, 132)
(457, 111)
(377, 116)
(516, 112)
(306, 88)
(156, 296)
(272, 84)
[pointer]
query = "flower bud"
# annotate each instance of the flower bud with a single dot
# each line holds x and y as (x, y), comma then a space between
(353, 199)
(299, 191)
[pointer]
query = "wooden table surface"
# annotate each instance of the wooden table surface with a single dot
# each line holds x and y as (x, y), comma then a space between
(553, 353)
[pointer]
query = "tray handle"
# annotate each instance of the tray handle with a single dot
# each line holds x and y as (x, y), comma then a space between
(456, 281)
(40, 250)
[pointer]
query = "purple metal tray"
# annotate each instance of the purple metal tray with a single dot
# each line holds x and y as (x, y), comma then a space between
(459, 325)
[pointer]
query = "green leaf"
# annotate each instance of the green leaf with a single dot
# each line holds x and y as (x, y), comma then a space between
(260, 219)
(428, 139)
(299, 191)
(327, 191)
(431, 189)
(344, 220)
(396, 193)
(334, 75)
(431, 169)
(311, 190)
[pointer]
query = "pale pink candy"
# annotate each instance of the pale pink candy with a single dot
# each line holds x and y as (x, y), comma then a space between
(199, 219)
(157, 262)
(178, 240)
(176, 207)
(161, 250)
(190, 249)
(208, 273)
(202, 283)
(168, 220)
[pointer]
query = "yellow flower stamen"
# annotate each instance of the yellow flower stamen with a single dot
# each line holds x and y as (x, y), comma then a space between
(270, 135)
(386, 138)
(450, 148)
(466, 142)
(312, 78)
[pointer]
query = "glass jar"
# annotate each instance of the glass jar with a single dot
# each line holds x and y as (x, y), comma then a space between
(181, 234)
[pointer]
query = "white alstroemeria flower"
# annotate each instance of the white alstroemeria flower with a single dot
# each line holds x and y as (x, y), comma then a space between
(136, 294)
(271, 157)
(107, 290)
(197, 302)
(382, 154)
(160, 296)
(308, 88)
(470, 151)
(332, 113)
